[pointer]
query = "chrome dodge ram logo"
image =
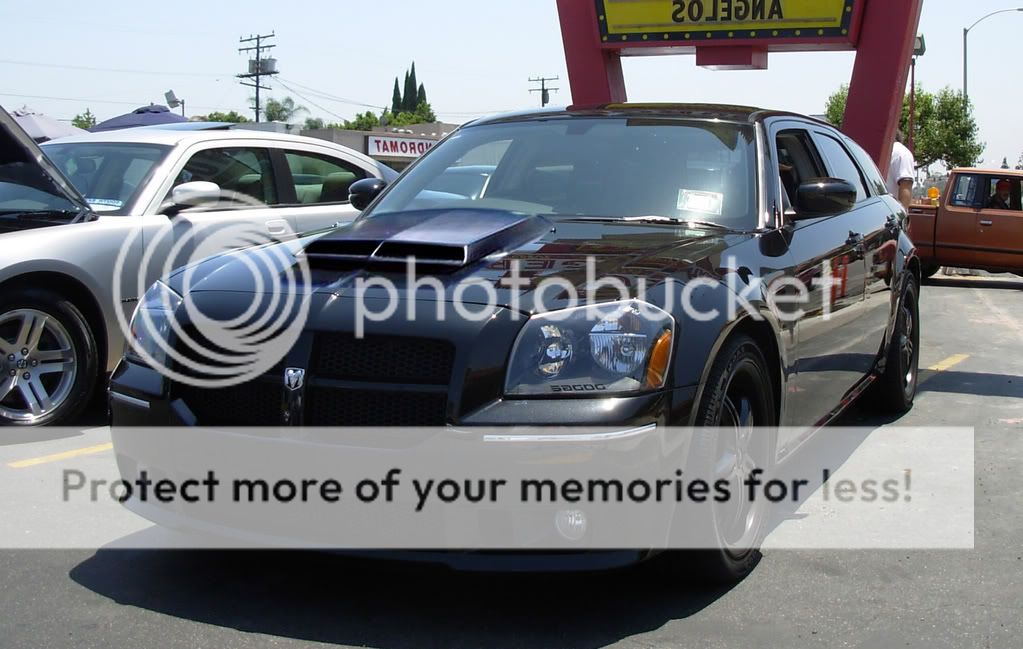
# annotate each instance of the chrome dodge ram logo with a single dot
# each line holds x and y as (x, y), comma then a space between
(294, 378)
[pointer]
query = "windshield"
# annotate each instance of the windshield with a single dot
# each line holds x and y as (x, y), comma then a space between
(109, 174)
(600, 167)
(26, 188)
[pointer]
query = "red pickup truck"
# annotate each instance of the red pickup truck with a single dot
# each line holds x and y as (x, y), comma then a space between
(978, 223)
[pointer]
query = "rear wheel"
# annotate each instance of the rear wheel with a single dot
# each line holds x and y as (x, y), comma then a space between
(734, 436)
(895, 390)
(48, 359)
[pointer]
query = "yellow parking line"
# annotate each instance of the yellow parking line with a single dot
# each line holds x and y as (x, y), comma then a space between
(90, 450)
(948, 363)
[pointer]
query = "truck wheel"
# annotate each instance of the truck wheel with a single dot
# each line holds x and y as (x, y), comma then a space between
(48, 358)
(895, 389)
(733, 436)
(929, 270)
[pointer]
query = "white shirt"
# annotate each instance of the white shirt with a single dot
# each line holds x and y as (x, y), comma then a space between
(902, 167)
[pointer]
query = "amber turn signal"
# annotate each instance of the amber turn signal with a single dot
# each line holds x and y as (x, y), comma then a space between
(657, 369)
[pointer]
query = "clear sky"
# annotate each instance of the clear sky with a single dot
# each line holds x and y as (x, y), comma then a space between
(474, 56)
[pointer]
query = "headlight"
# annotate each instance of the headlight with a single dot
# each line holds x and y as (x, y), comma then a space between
(151, 325)
(613, 348)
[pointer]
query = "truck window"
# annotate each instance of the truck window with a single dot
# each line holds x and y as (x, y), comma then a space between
(965, 194)
(1001, 193)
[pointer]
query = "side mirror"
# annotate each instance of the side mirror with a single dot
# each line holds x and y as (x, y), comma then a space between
(192, 194)
(824, 196)
(362, 192)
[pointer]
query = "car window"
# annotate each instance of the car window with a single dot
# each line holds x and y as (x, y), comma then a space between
(798, 162)
(110, 175)
(1000, 193)
(840, 164)
(244, 175)
(319, 179)
(965, 193)
(869, 168)
(593, 167)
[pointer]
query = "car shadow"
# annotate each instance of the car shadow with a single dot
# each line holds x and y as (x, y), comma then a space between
(1013, 284)
(336, 599)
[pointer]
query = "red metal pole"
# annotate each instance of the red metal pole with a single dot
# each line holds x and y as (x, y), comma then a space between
(594, 74)
(912, 106)
(879, 77)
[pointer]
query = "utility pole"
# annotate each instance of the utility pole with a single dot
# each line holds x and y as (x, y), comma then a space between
(259, 66)
(545, 94)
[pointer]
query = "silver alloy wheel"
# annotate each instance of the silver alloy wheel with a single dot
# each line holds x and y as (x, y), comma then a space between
(38, 362)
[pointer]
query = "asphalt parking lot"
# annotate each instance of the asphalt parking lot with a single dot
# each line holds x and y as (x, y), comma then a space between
(971, 342)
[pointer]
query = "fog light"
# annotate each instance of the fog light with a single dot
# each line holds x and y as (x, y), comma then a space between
(571, 524)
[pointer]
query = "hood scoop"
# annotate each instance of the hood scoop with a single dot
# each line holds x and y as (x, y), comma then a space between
(448, 238)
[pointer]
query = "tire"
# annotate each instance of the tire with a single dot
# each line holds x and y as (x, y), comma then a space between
(895, 388)
(42, 329)
(928, 271)
(738, 395)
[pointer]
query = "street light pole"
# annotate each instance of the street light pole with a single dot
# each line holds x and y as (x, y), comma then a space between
(966, 34)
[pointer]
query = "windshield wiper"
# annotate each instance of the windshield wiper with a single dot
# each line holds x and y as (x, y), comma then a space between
(656, 218)
(40, 214)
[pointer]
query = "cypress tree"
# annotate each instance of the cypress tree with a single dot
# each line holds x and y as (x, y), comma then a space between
(421, 95)
(408, 95)
(396, 98)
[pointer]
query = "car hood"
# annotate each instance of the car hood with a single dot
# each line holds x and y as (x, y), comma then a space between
(475, 249)
(26, 164)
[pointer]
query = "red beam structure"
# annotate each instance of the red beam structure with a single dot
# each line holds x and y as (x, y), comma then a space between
(739, 35)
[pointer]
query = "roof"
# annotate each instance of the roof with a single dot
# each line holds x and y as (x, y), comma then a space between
(723, 112)
(178, 136)
(1015, 173)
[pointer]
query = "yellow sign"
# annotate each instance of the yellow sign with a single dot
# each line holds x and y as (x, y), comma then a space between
(688, 20)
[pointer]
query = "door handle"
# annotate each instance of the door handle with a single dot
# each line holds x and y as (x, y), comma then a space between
(986, 222)
(277, 227)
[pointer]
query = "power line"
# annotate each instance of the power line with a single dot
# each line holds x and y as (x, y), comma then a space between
(335, 98)
(61, 66)
(306, 99)
(87, 100)
(259, 67)
(545, 94)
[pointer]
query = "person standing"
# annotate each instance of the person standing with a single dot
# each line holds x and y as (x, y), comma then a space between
(901, 171)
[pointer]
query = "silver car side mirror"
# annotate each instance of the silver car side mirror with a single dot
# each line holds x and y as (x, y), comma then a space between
(195, 193)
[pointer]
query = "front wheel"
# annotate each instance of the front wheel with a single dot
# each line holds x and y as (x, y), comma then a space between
(734, 436)
(895, 389)
(48, 358)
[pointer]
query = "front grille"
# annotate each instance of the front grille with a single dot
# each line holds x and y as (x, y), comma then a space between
(327, 406)
(372, 381)
(383, 359)
(255, 403)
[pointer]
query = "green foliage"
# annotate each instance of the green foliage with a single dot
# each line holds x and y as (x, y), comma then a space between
(282, 110)
(234, 117)
(313, 123)
(423, 114)
(362, 122)
(1005, 163)
(944, 129)
(421, 95)
(84, 120)
(396, 98)
(835, 108)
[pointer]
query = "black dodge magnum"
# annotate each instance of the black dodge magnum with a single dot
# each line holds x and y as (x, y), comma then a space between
(621, 265)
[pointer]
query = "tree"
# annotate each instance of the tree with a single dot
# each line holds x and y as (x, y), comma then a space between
(283, 110)
(408, 93)
(944, 129)
(84, 120)
(952, 133)
(1005, 163)
(421, 95)
(362, 122)
(835, 108)
(234, 117)
(1019, 163)
(396, 98)
(313, 123)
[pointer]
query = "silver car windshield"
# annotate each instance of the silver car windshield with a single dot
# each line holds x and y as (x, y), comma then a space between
(596, 167)
(109, 175)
